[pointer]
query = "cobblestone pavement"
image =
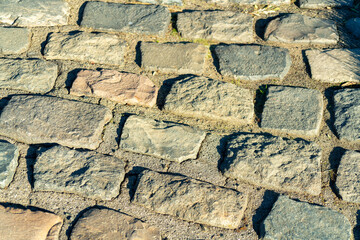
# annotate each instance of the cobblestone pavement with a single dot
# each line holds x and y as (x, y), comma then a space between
(179, 119)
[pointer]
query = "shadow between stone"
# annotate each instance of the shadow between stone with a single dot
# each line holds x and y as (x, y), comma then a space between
(334, 160)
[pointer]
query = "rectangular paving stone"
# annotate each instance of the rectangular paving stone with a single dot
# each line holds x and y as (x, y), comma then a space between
(41, 119)
(86, 173)
(34, 13)
(19, 223)
(250, 2)
(223, 26)
(252, 62)
(9, 155)
(190, 199)
(171, 141)
(36, 76)
(203, 97)
(347, 114)
(14, 40)
(297, 28)
(293, 110)
(125, 88)
(334, 65)
(130, 18)
(87, 47)
(181, 58)
(290, 219)
(274, 162)
(325, 3)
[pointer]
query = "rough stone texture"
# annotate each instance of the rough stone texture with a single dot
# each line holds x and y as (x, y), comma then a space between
(203, 97)
(112, 225)
(21, 223)
(353, 25)
(171, 141)
(250, 2)
(253, 62)
(325, 3)
(293, 109)
(9, 154)
(297, 28)
(348, 177)
(35, 76)
(181, 58)
(14, 40)
(334, 65)
(89, 47)
(190, 199)
(291, 219)
(274, 162)
(125, 88)
(141, 19)
(41, 119)
(347, 114)
(223, 26)
(34, 13)
(86, 173)
(166, 2)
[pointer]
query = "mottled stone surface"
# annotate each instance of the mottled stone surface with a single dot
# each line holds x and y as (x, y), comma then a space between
(290, 219)
(181, 58)
(171, 141)
(166, 2)
(14, 40)
(297, 28)
(86, 173)
(88, 47)
(253, 62)
(34, 13)
(325, 3)
(203, 97)
(293, 109)
(18, 223)
(37, 76)
(41, 119)
(223, 26)
(131, 18)
(347, 114)
(274, 162)
(353, 25)
(334, 65)
(348, 177)
(9, 154)
(250, 2)
(112, 225)
(190, 199)
(125, 88)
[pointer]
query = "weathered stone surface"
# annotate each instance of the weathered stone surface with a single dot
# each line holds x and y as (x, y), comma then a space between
(334, 65)
(347, 114)
(20, 223)
(190, 199)
(293, 109)
(347, 180)
(203, 97)
(353, 25)
(223, 26)
(274, 162)
(9, 155)
(141, 19)
(86, 173)
(290, 219)
(166, 2)
(126, 88)
(181, 58)
(88, 47)
(325, 3)
(250, 2)
(35, 76)
(253, 62)
(112, 225)
(171, 141)
(41, 119)
(297, 28)
(14, 40)
(34, 13)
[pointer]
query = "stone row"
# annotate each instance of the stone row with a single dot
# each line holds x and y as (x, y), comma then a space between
(311, 4)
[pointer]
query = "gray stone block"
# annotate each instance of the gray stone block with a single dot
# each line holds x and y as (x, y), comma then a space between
(166, 2)
(293, 110)
(9, 155)
(41, 119)
(353, 25)
(250, 2)
(325, 3)
(131, 18)
(14, 40)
